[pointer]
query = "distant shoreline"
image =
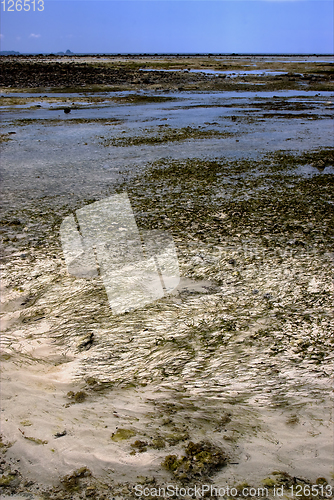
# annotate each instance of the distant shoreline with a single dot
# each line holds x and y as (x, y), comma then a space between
(167, 54)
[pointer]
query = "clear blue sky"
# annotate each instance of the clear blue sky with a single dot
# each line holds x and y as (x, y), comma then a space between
(300, 26)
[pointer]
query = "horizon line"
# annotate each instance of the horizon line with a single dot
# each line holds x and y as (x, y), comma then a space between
(328, 54)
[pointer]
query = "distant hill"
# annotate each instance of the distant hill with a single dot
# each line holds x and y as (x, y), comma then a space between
(13, 53)
(9, 53)
(67, 53)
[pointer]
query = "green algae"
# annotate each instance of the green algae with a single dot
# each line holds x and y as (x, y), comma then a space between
(22, 122)
(175, 184)
(165, 135)
(139, 446)
(321, 480)
(26, 423)
(122, 435)
(4, 446)
(77, 397)
(71, 482)
(200, 460)
(269, 482)
(158, 443)
(289, 116)
(35, 440)
(7, 479)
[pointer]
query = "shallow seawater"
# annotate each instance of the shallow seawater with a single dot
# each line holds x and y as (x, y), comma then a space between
(51, 152)
(222, 72)
(239, 355)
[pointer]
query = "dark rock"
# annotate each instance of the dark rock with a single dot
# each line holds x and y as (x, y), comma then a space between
(60, 434)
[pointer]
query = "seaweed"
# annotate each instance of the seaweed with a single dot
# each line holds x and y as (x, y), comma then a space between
(71, 482)
(200, 460)
(166, 134)
(122, 435)
(140, 446)
(143, 99)
(77, 397)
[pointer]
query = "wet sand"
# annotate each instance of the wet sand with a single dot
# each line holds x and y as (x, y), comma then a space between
(238, 359)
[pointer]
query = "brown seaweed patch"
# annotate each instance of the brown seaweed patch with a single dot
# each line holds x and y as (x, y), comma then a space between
(167, 134)
(66, 121)
(288, 116)
(140, 446)
(77, 397)
(71, 481)
(143, 99)
(5, 138)
(200, 459)
(4, 446)
(158, 443)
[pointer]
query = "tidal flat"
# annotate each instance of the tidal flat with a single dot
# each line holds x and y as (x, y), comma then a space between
(227, 380)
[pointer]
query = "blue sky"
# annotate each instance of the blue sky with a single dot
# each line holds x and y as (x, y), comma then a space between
(293, 26)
